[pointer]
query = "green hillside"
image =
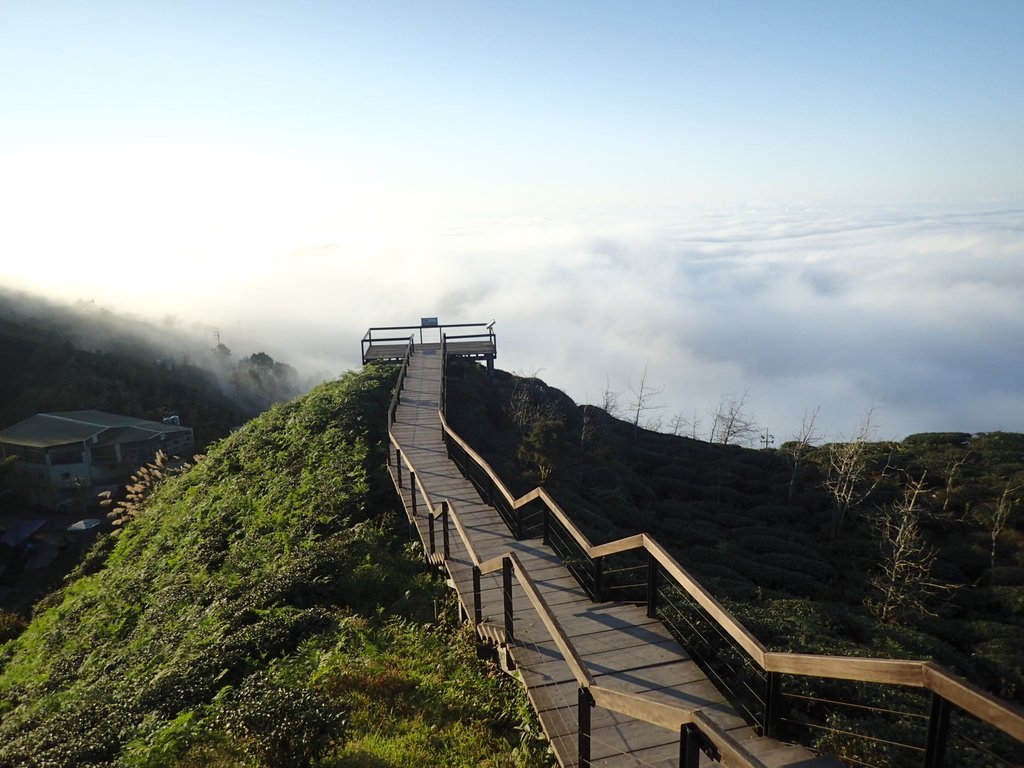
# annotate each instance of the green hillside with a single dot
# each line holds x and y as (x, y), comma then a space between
(759, 531)
(261, 611)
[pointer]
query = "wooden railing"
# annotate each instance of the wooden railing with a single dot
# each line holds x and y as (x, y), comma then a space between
(696, 729)
(386, 334)
(949, 692)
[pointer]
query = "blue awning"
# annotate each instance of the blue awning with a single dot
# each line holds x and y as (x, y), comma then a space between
(20, 530)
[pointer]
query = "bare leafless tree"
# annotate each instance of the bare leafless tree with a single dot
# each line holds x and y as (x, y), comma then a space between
(528, 405)
(847, 477)
(1007, 501)
(730, 424)
(798, 448)
(903, 586)
(610, 399)
(952, 473)
(588, 425)
(641, 403)
(677, 423)
(682, 425)
(540, 424)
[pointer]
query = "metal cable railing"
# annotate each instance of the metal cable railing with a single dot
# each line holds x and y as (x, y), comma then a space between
(716, 653)
(573, 556)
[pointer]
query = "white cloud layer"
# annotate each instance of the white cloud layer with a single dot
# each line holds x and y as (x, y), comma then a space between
(916, 312)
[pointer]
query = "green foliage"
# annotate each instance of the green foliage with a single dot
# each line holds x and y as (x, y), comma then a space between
(280, 723)
(214, 629)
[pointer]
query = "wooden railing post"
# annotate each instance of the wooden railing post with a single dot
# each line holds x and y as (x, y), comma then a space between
(478, 611)
(412, 484)
(519, 523)
(652, 586)
(689, 746)
(444, 528)
(585, 701)
(772, 702)
(598, 563)
(506, 589)
(398, 463)
(938, 731)
(430, 532)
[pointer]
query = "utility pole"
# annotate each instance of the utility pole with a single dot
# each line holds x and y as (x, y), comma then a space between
(767, 439)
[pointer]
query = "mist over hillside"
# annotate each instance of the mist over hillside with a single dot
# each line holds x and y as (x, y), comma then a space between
(82, 355)
(907, 309)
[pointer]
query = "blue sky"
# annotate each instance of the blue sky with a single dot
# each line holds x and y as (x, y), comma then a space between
(215, 152)
(559, 103)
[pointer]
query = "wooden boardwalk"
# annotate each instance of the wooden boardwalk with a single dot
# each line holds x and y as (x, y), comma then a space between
(620, 646)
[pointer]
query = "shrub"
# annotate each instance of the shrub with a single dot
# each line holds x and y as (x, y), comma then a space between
(11, 625)
(1007, 576)
(282, 725)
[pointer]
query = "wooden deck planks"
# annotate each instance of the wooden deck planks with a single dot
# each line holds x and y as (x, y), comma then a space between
(620, 645)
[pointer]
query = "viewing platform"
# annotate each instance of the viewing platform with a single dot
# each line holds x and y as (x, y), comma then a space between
(475, 341)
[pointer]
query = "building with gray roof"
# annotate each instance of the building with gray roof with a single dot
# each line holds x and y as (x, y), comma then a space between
(64, 458)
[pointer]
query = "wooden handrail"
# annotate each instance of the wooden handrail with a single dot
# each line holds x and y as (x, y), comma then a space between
(516, 503)
(408, 465)
(425, 327)
(463, 534)
(970, 698)
(634, 705)
(488, 335)
(397, 394)
(565, 646)
(728, 622)
(916, 673)
(672, 717)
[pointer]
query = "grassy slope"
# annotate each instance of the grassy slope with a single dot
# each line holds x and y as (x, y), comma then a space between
(260, 612)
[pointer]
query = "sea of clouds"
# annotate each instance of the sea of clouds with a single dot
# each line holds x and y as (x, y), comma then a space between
(913, 312)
